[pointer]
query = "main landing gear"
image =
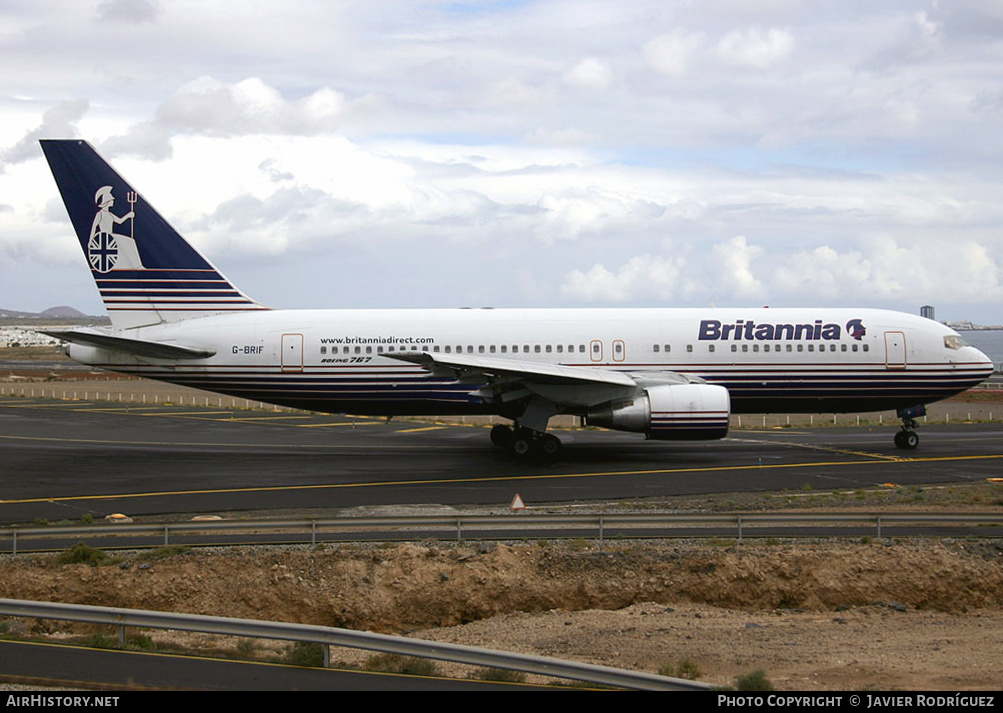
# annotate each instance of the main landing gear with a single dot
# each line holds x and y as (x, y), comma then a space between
(907, 439)
(525, 442)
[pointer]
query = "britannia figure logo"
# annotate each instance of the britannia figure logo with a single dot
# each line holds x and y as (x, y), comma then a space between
(855, 328)
(106, 249)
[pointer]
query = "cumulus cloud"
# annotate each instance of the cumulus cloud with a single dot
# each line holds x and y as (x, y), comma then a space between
(672, 52)
(755, 48)
(59, 122)
(644, 277)
(210, 107)
(589, 73)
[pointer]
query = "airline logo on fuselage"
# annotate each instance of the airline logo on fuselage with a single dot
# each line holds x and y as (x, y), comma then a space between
(749, 330)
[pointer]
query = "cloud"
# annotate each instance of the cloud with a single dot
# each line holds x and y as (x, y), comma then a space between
(59, 122)
(733, 261)
(132, 11)
(755, 48)
(210, 107)
(644, 277)
(671, 53)
(589, 73)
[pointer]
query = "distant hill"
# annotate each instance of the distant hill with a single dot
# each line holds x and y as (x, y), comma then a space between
(61, 314)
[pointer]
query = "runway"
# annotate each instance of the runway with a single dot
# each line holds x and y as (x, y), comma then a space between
(60, 460)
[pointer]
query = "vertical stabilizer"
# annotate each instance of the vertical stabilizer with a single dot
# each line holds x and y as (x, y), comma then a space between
(145, 271)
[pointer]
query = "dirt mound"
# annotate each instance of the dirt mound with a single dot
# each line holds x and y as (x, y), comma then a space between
(409, 586)
(631, 606)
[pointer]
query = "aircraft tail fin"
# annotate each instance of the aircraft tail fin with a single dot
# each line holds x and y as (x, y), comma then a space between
(146, 272)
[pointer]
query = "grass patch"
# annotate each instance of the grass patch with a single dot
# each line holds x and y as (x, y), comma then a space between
(403, 665)
(84, 554)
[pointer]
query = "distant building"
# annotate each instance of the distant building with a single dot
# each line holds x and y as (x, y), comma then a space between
(928, 312)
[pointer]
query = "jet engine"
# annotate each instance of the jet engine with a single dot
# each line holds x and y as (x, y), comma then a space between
(670, 412)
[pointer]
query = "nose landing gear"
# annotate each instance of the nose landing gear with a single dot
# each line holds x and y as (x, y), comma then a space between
(907, 439)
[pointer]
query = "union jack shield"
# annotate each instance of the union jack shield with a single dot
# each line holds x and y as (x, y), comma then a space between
(102, 250)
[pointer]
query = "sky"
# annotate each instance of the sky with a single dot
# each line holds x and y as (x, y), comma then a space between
(524, 153)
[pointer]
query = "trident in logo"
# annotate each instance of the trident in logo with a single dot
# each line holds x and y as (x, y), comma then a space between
(131, 197)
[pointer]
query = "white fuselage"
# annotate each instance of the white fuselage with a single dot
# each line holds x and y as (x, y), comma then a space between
(770, 360)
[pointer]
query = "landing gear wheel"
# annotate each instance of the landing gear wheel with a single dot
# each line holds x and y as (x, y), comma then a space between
(549, 446)
(502, 436)
(522, 443)
(906, 439)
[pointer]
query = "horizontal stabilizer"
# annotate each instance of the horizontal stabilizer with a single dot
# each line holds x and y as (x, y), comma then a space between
(139, 347)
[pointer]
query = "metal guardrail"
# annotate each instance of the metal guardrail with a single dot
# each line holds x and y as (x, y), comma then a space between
(330, 636)
(513, 526)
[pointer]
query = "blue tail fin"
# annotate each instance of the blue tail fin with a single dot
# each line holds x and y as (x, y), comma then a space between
(146, 272)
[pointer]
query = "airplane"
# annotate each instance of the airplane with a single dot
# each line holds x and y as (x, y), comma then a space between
(666, 373)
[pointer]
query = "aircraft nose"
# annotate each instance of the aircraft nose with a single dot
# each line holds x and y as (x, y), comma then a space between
(980, 358)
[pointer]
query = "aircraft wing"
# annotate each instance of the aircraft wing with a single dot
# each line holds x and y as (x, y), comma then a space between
(476, 368)
(139, 347)
(510, 380)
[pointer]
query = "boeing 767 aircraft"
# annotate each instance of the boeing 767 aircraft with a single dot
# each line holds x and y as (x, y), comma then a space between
(670, 374)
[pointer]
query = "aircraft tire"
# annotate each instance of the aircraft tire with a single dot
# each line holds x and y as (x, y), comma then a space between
(502, 435)
(549, 446)
(522, 444)
(906, 440)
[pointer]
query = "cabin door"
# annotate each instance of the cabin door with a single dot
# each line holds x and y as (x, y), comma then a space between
(292, 352)
(895, 356)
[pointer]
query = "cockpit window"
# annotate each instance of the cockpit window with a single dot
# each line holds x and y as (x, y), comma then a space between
(953, 341)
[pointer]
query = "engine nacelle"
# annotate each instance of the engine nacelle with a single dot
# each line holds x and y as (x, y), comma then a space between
(672, 412)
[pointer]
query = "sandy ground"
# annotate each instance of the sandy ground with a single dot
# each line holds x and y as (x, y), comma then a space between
(918, 615)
